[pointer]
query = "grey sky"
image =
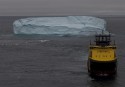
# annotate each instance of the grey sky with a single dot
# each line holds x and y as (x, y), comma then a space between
(62, 7)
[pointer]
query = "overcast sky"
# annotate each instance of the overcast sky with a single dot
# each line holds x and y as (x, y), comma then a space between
(61, 7)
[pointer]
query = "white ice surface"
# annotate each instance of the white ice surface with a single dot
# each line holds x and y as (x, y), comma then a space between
(69, 25)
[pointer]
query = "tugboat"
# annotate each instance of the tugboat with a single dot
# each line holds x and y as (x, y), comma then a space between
(102, 60)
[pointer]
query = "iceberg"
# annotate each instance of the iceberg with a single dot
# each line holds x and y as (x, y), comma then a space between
(68, 25)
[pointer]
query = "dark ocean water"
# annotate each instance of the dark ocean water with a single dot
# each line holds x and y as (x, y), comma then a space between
(52, 61)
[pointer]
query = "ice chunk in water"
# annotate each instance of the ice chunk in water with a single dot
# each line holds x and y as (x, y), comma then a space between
(69, 25)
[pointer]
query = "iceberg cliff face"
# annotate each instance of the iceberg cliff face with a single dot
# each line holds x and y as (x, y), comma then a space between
(70, 25)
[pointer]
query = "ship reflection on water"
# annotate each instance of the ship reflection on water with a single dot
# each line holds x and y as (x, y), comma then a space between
(103, 82)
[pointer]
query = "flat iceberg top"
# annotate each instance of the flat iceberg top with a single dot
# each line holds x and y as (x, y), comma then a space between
(73, 25)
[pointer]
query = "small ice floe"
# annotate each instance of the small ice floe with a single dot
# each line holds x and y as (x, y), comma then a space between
(43, 41)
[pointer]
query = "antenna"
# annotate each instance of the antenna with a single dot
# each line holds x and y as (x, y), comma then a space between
(109, 33)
